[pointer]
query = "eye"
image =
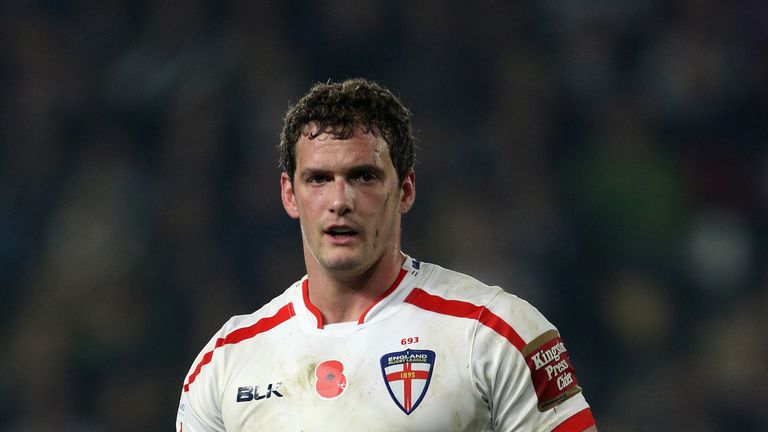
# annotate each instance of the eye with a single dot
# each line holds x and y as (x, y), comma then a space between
(365, 177)
(317, 179)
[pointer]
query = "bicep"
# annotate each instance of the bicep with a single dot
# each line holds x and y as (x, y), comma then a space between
(199, 411)
(530, 384)
(200, 401)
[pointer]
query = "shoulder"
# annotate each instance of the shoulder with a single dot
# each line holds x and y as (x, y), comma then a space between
(495, 307)
(276, 311)
(240, 328)
(200, 406)
(450, 284)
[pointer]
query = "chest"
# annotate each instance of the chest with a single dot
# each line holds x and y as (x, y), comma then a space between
(407, 374)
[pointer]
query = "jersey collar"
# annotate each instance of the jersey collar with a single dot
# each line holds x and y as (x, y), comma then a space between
(387, 304)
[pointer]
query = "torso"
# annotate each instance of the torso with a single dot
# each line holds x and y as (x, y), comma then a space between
(404, 367)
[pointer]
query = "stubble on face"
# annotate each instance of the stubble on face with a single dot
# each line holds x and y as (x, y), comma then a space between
(373, 221)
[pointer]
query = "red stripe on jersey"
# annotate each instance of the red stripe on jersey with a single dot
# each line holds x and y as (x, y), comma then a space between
(312, 308)
(577, 422)
(389, 291)
(239, 335)
(407, 386)
(422, 299)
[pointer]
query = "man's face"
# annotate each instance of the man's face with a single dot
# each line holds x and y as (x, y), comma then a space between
(346, 196)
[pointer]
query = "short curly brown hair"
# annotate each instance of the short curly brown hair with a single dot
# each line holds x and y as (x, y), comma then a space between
(340, 109)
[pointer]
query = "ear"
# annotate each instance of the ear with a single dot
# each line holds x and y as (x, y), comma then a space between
(408, 192)
(288, 197)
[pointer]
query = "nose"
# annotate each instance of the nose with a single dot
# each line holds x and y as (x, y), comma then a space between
(343, 198)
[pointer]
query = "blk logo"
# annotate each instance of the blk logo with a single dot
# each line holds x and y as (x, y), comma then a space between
(248, 393)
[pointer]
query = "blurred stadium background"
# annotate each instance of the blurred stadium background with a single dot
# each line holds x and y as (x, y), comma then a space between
(606, 160)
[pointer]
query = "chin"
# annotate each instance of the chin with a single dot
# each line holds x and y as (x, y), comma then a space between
(342, 264)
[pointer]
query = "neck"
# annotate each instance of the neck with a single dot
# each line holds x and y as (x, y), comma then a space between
(344, 297)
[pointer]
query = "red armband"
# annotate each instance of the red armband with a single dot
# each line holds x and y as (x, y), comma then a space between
(552, 373)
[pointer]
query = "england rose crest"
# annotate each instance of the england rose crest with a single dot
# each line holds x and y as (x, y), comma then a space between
(406, 375)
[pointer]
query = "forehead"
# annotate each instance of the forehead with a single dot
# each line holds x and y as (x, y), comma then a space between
(326, 150)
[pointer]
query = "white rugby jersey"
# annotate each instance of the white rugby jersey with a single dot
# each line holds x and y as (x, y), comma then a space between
(439, 351)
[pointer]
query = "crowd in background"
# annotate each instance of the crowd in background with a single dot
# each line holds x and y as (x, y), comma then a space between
(605, 160)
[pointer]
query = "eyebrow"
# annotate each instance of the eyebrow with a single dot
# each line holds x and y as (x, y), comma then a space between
(357, 169)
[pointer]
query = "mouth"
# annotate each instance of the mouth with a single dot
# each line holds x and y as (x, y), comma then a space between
(340, 232)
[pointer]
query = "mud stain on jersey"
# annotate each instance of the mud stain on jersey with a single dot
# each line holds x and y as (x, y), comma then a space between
(309, 374)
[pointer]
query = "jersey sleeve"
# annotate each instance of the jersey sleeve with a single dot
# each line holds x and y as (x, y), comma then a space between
(200, 404)
(522, 368)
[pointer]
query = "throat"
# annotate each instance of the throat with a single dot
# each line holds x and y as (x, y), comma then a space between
(339, 296)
